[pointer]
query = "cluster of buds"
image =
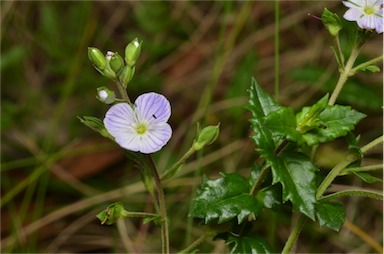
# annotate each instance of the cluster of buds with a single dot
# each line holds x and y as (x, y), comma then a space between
(114, 67)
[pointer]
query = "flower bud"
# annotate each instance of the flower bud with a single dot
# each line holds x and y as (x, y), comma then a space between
(132, 52)
(206, 136)
(126, 75)
(116, 62)
(97, 58)
(113, 213)
(105, 95)
(108, 72)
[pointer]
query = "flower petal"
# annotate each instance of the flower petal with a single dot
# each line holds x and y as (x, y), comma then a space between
(352, 14)
(157, 137)
(153, 107)
(119, 122)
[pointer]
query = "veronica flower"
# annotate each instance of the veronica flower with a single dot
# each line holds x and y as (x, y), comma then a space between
(367, 13)
(143, 126)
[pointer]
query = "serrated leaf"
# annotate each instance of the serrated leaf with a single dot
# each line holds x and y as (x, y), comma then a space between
(282, 124)
(336, 121)
(224, 199)
(270, 196)
(371, 68)
(247, 244)
(297, 175)
(366, 177)
(332, 22)
(263, 138)
(261, 103)
(330, 214)
(308, 117)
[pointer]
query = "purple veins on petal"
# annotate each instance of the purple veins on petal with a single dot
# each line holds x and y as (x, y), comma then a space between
(141, 128)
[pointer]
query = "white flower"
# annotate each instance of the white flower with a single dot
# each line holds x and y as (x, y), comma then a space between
(142, 127)
(367, 13)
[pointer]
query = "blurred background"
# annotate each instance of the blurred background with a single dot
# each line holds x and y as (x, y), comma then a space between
(57, 174)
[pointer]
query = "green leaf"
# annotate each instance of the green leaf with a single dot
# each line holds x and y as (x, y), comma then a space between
(248, 244)
(335, 121)
(308, 117)
(366, 177)
(261, 103)
(112, 213)
(353, 144)
(332, 22)
(270, 196)
(224, 199)
(330, 214)
(371, 68)
(297, 175)
(282, 124)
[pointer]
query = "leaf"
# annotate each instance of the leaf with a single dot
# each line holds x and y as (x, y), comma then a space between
(332, 22)
(282, 124)
(270, 196)
(224, 199)
(308, 117)
(366, 177)
(261, 103)
(248, 244)
(330, 214)
(95, 124)
(371, 68)
(335, 121)
(296, 173)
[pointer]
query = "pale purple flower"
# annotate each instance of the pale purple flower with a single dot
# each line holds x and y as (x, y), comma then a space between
(367, 13)
(143, 126)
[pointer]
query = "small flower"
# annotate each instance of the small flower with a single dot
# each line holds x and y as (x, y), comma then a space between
(143, 126)
(367, 13)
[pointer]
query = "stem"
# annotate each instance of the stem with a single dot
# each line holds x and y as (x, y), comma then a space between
(161, 201)
(339, 53)
(123, 92)
(170, 172)
(345, 73)
(347, 193)
(342, 165)
(363, 65)
(294, 234)
(348, 171)
(196, 243)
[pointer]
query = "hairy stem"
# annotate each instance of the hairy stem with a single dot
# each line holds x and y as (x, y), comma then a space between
(345, 73)
(170, 172)
(294, 234)
(161, 201)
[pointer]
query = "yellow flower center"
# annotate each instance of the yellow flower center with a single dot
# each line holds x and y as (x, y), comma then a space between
(141, 128)
(369, 10)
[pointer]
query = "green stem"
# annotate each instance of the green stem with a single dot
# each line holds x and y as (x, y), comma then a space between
(294, 234)
(123, 91)
(339, 53)
(342, 165)
(363, 65)
(345, 73)
(348, 171)
(347, 193)
(196, 243)
(256, 186)
(161, 201)
(276, 41)
(170, 172)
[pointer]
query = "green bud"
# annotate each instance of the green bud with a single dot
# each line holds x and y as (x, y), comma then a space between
(126, 75)
(132, 52)
(116, 62)
(206, 136)
(97, 58)
(97, 125)
(105, 95)
(332, 22)
(113, 213)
